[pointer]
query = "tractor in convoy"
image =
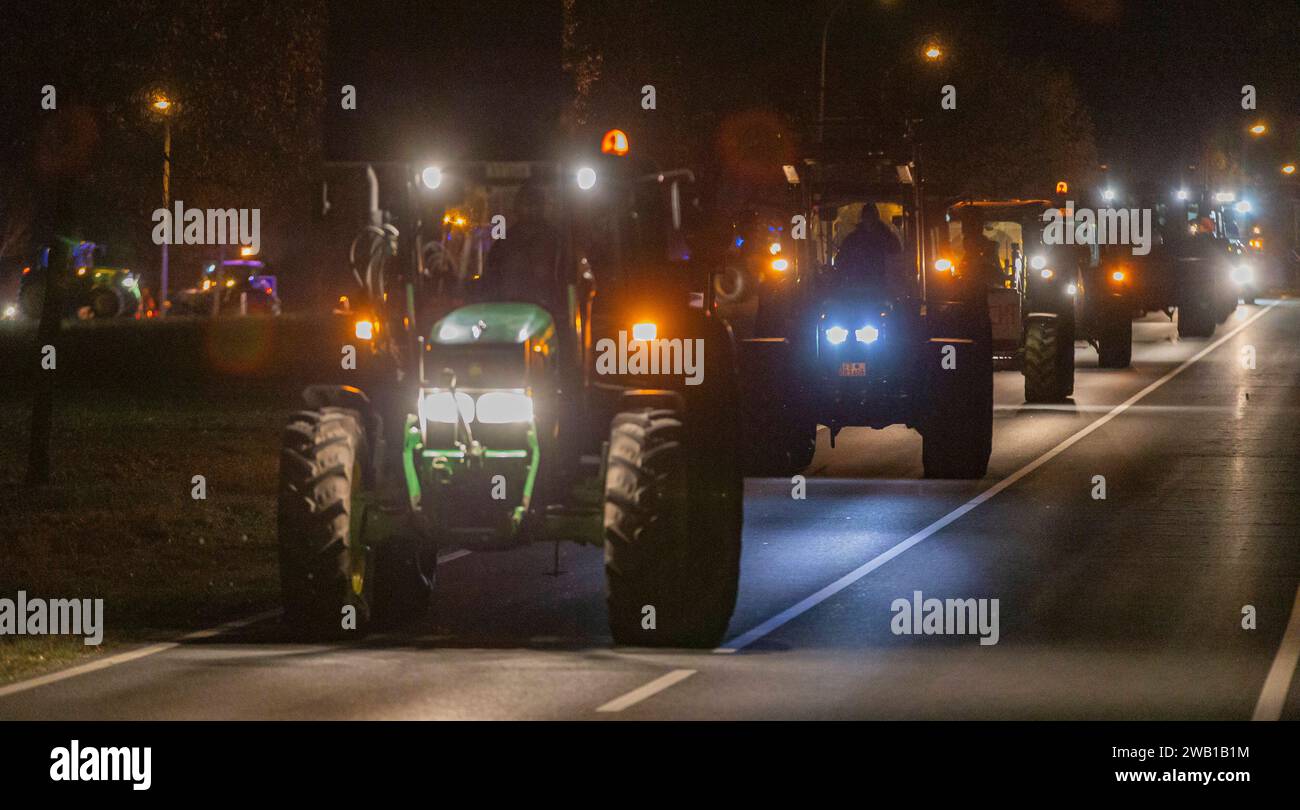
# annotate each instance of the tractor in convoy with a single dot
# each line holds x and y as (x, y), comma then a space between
(1042, 296)
(887, 328)
(584, 389)
(93, 290)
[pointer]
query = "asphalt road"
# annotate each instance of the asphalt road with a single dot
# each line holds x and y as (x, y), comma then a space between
(1129, 607)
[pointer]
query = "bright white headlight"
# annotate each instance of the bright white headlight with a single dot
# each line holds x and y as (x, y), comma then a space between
(837, 335)
(500, 407)
(1038, 262)
(438, 406)
(866, 334)
(1242, 274)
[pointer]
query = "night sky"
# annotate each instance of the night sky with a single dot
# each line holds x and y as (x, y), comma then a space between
(1154, 75)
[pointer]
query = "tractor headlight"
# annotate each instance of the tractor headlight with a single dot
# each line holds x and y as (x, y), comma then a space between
(1038, 262)
(440, 406)
(866, 334)
(500, 407)
(1243, 274)
(836, 335)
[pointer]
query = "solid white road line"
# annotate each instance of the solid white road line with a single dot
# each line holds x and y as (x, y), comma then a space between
(808, 603)
(152, 649)
(132, 655)
(651, 689)
(1273, 696)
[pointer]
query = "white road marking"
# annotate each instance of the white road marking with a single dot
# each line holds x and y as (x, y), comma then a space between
(1273, 696)
(806, 604)
(132, 655)
(651, 689)
(153, 649)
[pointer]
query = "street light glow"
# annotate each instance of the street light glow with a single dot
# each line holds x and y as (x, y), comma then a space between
(1288, 168)
(933, 52)
(1258, 129)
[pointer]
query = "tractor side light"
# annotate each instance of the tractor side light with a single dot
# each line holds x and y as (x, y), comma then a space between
(364, 330)
(837, 335)
(780, 265)
(1118, 275)
(502, 407)
(1038, 262)
(645, 331)
(943, 265)
(866, 334)
(1046, 272)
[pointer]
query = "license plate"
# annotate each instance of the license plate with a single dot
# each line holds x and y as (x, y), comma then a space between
(853, 369)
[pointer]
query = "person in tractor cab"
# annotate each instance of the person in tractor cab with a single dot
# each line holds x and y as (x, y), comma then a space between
(979, 253)
(867, 255)
(523, 265)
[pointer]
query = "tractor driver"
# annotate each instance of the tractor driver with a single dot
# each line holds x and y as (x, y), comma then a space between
(867, 255)
(523, 265)
(979, 253)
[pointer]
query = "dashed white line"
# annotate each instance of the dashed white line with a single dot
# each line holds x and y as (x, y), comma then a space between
(651, 689)
(1278, 682)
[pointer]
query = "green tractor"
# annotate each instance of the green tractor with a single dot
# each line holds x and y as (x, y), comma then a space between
(593, 402)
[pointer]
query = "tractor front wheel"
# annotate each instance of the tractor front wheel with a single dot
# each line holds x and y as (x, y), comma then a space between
(672, 532)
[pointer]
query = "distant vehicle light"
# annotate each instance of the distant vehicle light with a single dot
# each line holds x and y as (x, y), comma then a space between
(866, 334)
(431, 177)
(1258, 129)
(943, 265)
(365, 330)
(1062, 187)
(1182, 194)
(1288, 168)
(586, 178)
(1225, 196)
(1257, 244)
(780, 265)
(81, 271)
(230, 282)
(10, 312)
(1108, 195)
(1071, 290)
(1243, 207)
(645, 331)
(1046, 272)
(247, 250)
(1118, 275)
(26, 270)
(614, 143)
(1038, 262)
(837, 335)
(774, 248)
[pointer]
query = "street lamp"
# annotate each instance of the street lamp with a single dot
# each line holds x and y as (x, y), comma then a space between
(1258, 129)
(933, 52)
(1288, 169)
(164, 106)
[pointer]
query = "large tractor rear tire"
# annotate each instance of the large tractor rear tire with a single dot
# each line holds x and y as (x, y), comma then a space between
(1049, 360)
(1115, 341)
(105, 303)
(324, 568)
(673, 514)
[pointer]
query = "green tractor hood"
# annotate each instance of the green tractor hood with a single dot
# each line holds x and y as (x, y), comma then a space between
(495, 323)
